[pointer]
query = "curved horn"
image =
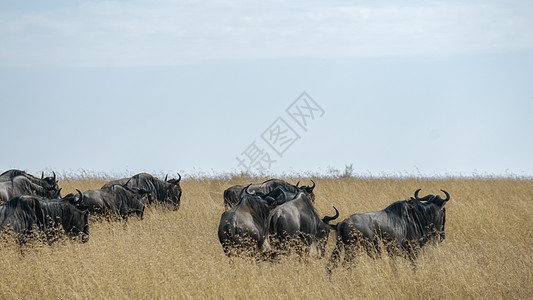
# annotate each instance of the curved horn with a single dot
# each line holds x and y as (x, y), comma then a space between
(298, 183)
(243, 190)
(54, 175)
(284, 196)
(179, 177)
(416, 194)
(425, 198)
(326, 219)
(447, 195)
(81, 196)
(42, 174)
(247, 191)
(166, 177)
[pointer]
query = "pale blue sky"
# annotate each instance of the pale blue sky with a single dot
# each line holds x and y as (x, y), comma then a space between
(409, 87)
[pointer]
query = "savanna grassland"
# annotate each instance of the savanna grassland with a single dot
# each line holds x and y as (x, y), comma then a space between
(488, 251)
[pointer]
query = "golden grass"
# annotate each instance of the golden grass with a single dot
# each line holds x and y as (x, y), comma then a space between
(488, 251)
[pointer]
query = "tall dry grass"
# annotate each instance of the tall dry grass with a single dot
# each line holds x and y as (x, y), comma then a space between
(488, 251)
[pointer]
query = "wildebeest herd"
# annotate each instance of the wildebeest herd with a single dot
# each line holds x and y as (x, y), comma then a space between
(275, 217)
(31, 205)
(263, 220)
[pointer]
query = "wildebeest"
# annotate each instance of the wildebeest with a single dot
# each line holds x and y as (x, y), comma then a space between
(402, 228)
(23, 215)
(46, 182)
(116, 200)
(296, 224)
(28, 214)
(21, 185)
(242, 229)
(231, 195)
(68, 214)
(166, 191)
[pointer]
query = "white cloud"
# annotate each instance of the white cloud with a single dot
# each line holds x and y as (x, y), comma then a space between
(126, 33)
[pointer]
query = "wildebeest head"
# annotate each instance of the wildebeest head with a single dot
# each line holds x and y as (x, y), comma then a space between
(308, 189)
(281, 195)
(49, 183)
(435, 212)
(259, 196)
(173, 191)
(175, 181)
(78, 225)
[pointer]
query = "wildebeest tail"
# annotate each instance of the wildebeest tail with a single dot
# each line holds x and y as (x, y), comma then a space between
(326, 219)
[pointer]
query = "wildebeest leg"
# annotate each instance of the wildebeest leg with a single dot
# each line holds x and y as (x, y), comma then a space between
(282, 243)
(373, 247)
(21, 242)
(350, 252)
(304, 243)
(322, 248)
(412, 251)
(335, 256)
(231, 257)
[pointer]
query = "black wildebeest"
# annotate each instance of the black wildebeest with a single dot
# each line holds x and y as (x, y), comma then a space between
(231, 195)
(20, 185)
(166, 191)
(23, 215)
(296, 224)
(116, 200)
(242, 229)
(402, 228)
(68, 214)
